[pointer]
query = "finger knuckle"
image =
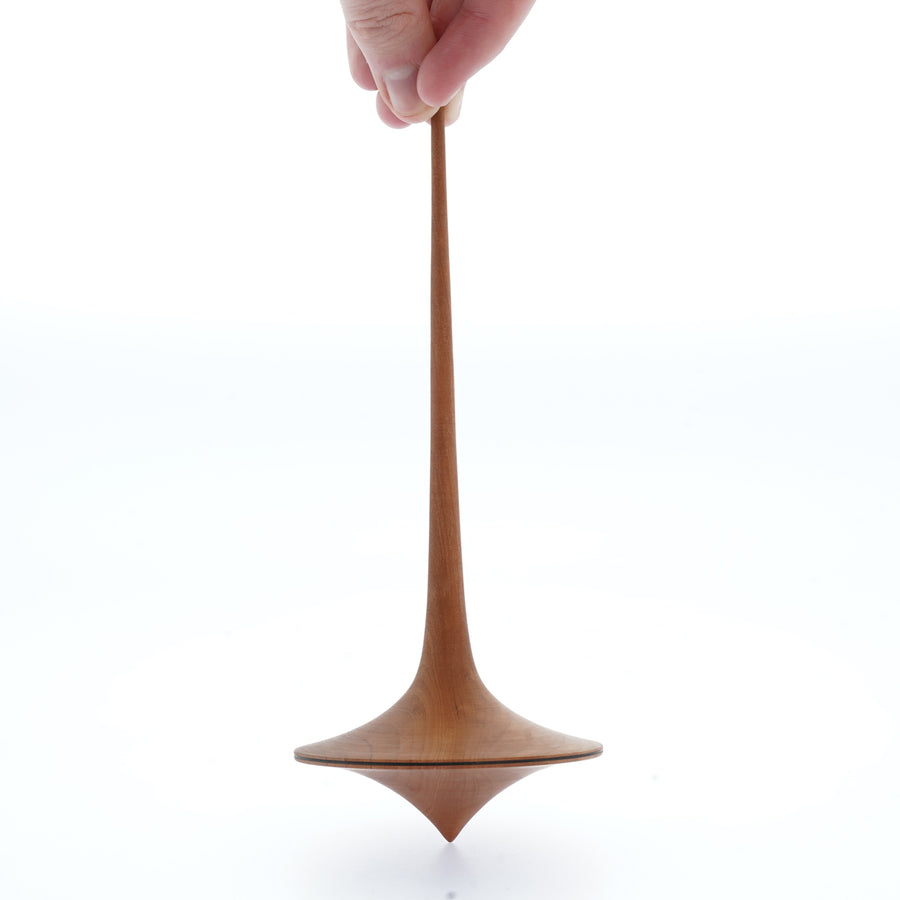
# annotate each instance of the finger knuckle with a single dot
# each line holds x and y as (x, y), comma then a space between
(380, 24)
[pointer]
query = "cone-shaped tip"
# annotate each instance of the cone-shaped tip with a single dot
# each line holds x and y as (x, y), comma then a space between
(448, 796)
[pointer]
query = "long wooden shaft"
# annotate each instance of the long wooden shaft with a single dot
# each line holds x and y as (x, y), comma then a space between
(446, 649)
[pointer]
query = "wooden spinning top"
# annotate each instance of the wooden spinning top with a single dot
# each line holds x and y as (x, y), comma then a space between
(447, 745)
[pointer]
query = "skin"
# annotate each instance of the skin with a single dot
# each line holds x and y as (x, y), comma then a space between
(418, 54)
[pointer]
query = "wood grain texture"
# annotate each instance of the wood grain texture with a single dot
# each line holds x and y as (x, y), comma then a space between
(447, 745)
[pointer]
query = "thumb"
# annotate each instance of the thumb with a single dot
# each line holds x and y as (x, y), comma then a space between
(394, 36)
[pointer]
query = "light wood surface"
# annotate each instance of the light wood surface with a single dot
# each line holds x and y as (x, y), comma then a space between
(447, 745)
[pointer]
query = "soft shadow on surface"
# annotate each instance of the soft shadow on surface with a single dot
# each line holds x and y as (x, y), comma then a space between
(404, 863)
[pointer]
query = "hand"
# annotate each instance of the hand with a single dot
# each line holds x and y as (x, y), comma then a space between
(418, 54)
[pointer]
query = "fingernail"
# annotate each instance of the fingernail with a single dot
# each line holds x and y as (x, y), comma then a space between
(454, 107)
(403, 96)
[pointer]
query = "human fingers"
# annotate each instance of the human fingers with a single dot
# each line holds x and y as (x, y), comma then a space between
(359, 68)
(386, 116)
(442, 14)
(470, 39)
(392, 37)
(454, 107)
(451, 112)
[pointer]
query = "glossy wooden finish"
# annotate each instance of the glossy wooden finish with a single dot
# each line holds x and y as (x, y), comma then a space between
(447, 745)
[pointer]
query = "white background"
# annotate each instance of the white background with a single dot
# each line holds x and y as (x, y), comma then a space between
(675, 233)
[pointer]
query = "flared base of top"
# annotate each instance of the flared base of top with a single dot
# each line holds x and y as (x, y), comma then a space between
(448, 750)
(433, 727)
